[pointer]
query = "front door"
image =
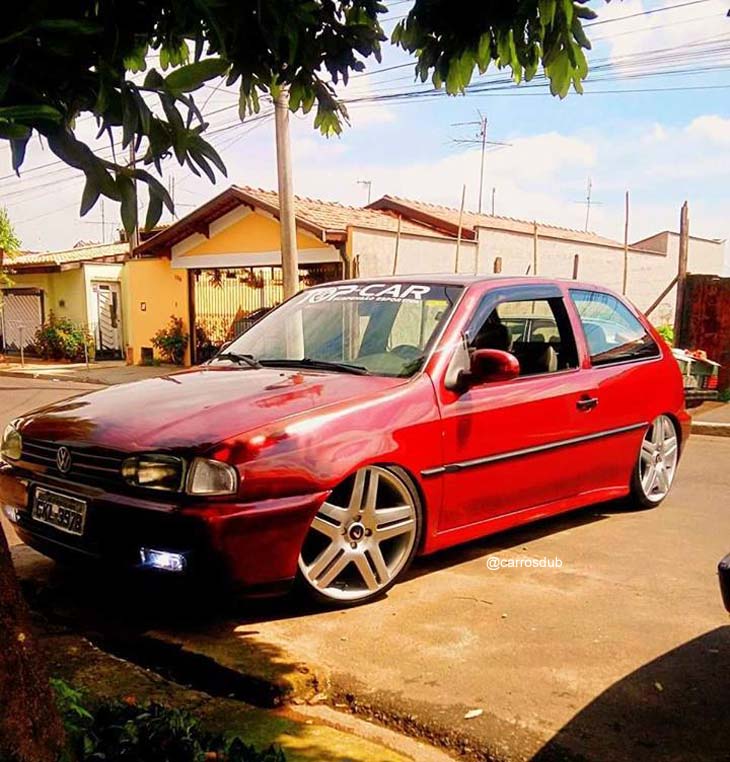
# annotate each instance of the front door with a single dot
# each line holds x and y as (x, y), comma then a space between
(108, 324)
(514, 445)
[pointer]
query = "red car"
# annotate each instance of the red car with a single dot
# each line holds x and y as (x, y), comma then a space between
(358, 424)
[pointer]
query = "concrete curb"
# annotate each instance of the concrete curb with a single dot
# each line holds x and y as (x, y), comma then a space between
(711, 429)
(52, 377)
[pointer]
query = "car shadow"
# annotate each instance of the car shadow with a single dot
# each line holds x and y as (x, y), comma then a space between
(674, 709)
(510, 538)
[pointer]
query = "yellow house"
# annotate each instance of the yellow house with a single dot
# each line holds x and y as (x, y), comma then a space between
(220, 266)
(82, 284)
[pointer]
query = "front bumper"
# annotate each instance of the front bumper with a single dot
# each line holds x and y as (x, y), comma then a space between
(250, 545)
(723, 571)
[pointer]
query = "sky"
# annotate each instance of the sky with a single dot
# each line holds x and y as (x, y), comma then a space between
(654, 121)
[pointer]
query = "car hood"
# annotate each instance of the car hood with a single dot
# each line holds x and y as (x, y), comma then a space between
(196, 408)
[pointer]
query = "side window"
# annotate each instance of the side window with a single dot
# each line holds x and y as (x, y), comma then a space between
(612, 332)
(536, 332)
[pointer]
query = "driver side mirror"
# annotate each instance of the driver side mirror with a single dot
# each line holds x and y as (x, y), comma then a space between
(489, 365)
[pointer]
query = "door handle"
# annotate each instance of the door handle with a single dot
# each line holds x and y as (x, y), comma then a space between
(586, 403)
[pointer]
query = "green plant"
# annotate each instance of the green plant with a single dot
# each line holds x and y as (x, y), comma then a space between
(61, 339)
(724, 395)
(124, 731)
(172, 341)
(666, 331)
(9, 245)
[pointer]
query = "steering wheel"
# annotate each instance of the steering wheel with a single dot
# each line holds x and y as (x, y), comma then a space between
(406, 351)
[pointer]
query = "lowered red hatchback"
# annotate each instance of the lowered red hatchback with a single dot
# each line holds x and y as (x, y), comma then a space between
(354, 426)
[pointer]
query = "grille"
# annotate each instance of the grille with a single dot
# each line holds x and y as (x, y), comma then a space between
(88, 465)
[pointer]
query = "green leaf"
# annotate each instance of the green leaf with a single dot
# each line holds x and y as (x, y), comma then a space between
(154, 211)
(70, 26)
(192, 76)
(579, 34)
(17, 149)
(129, 203)
(30, 113)
(90, 195)
(547, 8)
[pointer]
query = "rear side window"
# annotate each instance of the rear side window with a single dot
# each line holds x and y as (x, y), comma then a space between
(612, 331)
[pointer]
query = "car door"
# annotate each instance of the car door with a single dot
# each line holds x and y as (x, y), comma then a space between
(623, 368)
(513, 445)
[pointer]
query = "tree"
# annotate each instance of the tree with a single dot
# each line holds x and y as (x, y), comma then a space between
(136, 66)
(9, 245)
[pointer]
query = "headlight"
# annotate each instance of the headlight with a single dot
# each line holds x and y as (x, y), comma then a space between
(153, 471)
(12, 444)
(211, 477)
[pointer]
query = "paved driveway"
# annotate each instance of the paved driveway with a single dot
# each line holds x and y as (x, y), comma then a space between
(622, 652)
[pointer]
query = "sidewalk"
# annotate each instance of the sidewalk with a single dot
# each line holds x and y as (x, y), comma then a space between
(306, 733)
(711, 419)
(104, 372)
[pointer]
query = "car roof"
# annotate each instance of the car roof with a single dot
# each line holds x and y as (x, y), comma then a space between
(466, 280)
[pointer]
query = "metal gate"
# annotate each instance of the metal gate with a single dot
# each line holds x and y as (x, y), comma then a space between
(21, 315)
(226, 302)
(107, 329)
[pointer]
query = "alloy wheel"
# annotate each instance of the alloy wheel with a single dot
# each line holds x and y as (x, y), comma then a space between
(658, 461)
(361, 538)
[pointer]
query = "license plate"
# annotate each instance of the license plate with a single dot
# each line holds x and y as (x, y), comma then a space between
(60, 511)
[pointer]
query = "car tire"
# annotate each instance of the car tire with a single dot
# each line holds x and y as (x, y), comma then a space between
(362, 539)
(656, 465)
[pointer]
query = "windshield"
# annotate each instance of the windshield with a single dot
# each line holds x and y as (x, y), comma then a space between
(378, 328)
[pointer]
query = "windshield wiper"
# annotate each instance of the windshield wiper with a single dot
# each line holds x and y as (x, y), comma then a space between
(249, 360)
(309, 362)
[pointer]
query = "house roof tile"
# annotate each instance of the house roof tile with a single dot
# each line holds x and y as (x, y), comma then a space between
(77, 255)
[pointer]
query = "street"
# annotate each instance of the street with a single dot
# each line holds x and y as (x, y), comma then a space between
(597, 635)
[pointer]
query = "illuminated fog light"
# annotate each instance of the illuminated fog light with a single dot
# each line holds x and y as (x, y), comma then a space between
(11, 513)
(163, 560)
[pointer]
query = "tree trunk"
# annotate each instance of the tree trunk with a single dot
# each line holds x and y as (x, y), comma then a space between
(30, 728)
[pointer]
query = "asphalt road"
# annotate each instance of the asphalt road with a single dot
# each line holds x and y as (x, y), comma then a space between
(620, 653)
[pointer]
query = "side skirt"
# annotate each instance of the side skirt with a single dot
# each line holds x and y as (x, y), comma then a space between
(458, 535)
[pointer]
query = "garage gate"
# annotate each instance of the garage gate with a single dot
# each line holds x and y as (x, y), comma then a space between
(21, 315)
(228, 301)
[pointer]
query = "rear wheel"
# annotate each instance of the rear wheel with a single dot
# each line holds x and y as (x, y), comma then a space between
(657, 464)
(362, 538)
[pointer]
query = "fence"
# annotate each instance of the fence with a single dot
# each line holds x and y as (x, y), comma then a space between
(706, 320)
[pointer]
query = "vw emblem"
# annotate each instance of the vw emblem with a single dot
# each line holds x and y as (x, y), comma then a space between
(63, 460)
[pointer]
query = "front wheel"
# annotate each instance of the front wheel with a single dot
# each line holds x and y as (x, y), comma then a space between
(657, 463)
(362, 538)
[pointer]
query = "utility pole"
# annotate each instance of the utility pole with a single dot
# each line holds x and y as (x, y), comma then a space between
(134, 237)
(681, 272)
(287, 212)
(369, 185)
(458, 237)
(483, 136)
(588, 202)
(103, 226)
(494, 193)
(626, 246)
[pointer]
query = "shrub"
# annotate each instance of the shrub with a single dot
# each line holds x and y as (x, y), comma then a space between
(127, 732)
(61, 339)
(172, 341)
(666, 331)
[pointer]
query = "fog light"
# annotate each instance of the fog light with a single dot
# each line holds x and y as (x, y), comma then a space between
(11, 512)
(161, 559)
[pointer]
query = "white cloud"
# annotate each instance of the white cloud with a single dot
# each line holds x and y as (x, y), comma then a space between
(650, 31)
(710, 127)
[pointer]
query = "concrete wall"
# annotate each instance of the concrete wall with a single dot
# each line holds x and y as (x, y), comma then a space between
(64, 293)
(374, 251)
(650, 269)
(152, 291)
